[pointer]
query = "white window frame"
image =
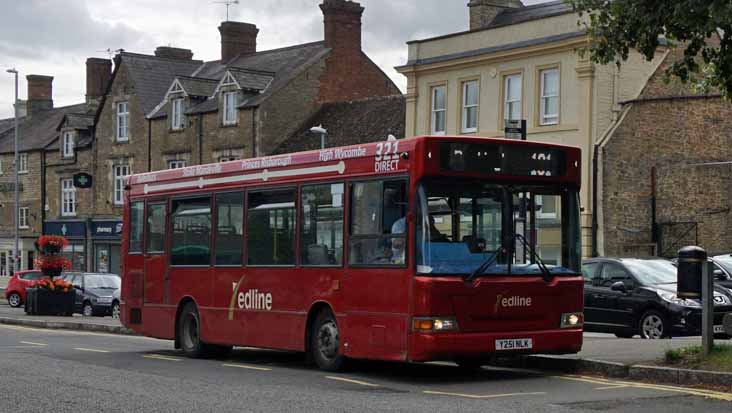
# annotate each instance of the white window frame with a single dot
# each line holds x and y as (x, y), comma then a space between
(122, 126)
(544, 117)
(508, 103)
(68, 198)
(23, 218)
(119, 173)
(229, 117)
(176, 114)
(67, 144)
(176, 164)
(539, 201)
(465, 128)
(22, 163)
(435, 111)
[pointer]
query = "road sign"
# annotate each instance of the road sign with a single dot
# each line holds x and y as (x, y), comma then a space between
(82, 180)
(515, 129)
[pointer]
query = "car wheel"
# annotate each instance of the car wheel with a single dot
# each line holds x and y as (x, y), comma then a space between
(653, 325)
(87, 310)
(325, 343)
(115, 310)
(624, 335)
(14, 300)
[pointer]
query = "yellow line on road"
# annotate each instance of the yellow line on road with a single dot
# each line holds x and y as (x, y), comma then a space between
(91, 350)
(244, 366)
(33, 344)
(619, 386)
(352, 381)
(479, 396)
(675, 389)
(161, 357)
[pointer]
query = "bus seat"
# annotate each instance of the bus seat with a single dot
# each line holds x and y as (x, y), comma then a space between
(318, 254)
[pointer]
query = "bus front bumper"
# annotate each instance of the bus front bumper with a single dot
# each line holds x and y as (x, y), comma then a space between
(451, 346)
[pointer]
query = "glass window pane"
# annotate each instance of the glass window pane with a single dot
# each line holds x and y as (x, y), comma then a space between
(438, 100)
(321, 239)
(271, 228)
(229, 228)
(552, 106)
(551, 82)
(136, 216)
(471, 118)
(191, 244)
(471, 93)
(155, 228)
(439, 122)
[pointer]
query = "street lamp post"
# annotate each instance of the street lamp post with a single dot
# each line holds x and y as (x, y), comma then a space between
(323, 133)
(16, 252)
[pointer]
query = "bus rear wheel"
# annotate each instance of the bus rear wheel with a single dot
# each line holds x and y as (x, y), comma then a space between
(325, 343)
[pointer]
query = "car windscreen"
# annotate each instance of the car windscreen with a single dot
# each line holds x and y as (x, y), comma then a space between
(724, 261)
(652, 271)
(102, 281)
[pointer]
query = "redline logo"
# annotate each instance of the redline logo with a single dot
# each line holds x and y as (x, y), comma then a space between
(513, 301)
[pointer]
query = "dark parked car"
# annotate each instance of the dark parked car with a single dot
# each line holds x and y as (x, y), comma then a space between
(723, 270)
(95, 293)
(627, 296)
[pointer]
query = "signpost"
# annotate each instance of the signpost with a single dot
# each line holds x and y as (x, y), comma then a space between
(515, 129)
(82, 180)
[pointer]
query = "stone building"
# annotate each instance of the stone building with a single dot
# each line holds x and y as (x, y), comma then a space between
(168, 110)
(665, 172)
(520, 62)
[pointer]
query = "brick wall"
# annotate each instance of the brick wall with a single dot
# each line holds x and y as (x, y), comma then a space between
(351, 75)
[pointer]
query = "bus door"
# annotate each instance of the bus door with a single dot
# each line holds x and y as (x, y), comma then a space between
(155, 261)
(376, 286)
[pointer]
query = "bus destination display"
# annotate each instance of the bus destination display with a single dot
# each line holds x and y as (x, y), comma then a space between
(502, 159)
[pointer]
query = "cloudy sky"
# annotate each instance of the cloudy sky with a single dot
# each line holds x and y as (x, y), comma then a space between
(54, 37)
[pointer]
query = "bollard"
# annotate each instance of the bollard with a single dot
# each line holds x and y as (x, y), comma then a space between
(689, 273)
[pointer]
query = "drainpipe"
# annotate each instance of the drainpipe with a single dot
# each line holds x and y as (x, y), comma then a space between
(254, 132)
(200, 138)
(595, 152)
(43, 188)
(149, 145)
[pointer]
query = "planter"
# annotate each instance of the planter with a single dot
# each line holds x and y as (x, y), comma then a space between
(41, 301)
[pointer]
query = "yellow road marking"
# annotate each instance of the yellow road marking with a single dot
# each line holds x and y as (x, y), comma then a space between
(479, 396)
(33, 343)
(675, 389)
(619, 386)
(161, 357)
(91, 350)
(244, 366)
(352, 381)
(74, 332)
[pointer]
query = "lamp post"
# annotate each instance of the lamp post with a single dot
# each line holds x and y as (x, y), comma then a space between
(323, 133)
(16, 252)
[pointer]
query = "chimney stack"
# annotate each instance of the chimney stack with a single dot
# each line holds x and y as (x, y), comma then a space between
(98, 75)
(483, 12)
(40, 93)
(342, 24)
(174, 53)
(237, 38)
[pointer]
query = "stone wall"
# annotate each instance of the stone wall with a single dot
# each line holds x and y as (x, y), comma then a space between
(30, 196)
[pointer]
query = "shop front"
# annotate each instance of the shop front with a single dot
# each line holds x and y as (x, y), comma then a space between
(106, 236)
(75, 233)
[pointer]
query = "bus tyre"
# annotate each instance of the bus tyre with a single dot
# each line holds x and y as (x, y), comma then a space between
(189, 330)
(325, 343)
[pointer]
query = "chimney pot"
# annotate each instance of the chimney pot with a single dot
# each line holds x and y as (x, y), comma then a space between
(174, 53)
(40, 93)
(342, 24)
(98, 75)
(483, 12)
(237, 38)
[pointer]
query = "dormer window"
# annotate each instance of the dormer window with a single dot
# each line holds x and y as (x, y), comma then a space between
(229, 108)
(67, 145)
(176, 115)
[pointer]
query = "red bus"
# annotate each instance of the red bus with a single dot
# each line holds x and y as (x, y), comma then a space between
(427, 248)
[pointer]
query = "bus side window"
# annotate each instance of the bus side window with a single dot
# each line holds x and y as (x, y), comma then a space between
(229, 228)
(137, 210)
(378, 223)
(191, 222)
(321, 236)
(271, 227)
(155, 240)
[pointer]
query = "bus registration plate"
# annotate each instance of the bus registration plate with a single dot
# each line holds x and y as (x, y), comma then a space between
(514, 344)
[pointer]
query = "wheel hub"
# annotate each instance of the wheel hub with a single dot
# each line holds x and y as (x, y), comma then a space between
(14, 300)
(653, 327)
(328, 340)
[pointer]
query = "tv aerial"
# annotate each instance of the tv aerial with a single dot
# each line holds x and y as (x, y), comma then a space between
(227, 3)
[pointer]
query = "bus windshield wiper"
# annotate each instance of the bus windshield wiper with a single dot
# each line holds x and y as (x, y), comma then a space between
(484, 266)
(547, 275)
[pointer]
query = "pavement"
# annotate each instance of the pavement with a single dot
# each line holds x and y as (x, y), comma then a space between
(65, 370)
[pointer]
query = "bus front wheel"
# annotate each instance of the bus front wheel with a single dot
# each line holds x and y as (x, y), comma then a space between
(325, 343)
(189, 335)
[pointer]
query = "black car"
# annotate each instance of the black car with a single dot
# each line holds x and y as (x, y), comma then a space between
(722, 270)
(628, 296)
(95, 293)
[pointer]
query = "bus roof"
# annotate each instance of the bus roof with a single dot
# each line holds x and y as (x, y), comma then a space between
(390, 156)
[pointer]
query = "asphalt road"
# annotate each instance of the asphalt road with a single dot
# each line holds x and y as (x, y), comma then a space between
(56, 370)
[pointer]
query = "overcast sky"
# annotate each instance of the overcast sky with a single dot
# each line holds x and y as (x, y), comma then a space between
(54, 37)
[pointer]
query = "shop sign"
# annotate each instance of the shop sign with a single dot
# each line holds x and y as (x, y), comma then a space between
(109, 229)
(68, 229)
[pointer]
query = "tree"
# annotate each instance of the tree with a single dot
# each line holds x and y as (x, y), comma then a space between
(702, 27)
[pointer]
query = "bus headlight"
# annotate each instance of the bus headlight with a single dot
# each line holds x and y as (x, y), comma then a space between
(434, 324)
(572, 320)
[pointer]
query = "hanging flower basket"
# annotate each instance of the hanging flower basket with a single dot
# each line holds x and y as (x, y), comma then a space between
(51, 244)
(51, 295)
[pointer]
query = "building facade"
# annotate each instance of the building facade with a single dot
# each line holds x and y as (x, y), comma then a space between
(522, 63)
